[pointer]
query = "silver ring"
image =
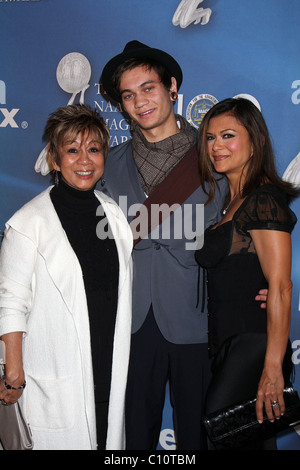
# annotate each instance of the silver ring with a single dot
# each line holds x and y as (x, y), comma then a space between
(275, 404)
(4, 403)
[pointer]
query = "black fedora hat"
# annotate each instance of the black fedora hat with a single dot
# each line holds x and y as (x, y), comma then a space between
(135, 49)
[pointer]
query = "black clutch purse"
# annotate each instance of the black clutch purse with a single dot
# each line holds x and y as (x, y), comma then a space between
(237, 426)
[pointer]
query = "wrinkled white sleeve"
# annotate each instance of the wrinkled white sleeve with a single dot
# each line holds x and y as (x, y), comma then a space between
(17, 260)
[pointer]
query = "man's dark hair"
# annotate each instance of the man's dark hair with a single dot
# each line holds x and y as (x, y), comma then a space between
(150, 64)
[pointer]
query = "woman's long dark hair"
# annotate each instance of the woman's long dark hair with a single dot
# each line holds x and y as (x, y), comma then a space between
(262, 169)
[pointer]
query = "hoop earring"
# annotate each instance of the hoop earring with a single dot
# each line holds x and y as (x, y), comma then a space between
(174, 96)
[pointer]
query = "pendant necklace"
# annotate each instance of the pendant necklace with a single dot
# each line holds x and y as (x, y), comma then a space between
(227, 207)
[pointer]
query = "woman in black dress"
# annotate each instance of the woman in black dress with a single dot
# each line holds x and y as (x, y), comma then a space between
(248, 250)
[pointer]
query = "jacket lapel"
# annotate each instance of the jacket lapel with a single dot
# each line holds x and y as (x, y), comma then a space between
(134, 175)
(49, 237)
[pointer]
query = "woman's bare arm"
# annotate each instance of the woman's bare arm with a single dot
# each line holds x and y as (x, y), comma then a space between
(275, 254)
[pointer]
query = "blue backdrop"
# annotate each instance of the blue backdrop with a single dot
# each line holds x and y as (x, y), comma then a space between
(51, 49)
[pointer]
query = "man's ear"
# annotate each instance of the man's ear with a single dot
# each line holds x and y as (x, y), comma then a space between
(173, 90)
(173, 87)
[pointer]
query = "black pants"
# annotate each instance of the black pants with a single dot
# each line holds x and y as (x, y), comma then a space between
(153, 362)
(237, 369)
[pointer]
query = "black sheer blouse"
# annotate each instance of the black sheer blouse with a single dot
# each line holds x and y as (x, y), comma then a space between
(233, 269)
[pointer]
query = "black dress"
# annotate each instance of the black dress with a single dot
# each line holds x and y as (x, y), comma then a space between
(237, 324)
(100, 268)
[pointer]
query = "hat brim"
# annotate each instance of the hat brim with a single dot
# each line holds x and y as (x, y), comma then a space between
(147, 52)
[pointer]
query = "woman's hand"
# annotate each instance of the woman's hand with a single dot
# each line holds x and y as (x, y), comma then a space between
(10, 396)
(270, 396)
(14, 373)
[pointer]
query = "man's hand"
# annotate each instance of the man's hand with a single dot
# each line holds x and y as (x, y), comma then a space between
(262, 297)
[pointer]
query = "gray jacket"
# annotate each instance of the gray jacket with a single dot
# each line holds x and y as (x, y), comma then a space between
(165, 273)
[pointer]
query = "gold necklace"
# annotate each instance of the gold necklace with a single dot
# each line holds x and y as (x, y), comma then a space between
(227, 207)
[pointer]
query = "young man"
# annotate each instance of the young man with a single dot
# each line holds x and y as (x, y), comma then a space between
(169, 325)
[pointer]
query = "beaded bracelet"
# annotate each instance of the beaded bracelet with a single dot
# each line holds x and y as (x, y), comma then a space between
(9, 387)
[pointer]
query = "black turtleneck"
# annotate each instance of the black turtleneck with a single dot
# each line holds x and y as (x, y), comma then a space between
(100, 268)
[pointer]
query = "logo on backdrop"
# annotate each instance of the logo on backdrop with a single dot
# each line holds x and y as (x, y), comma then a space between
(201, 104)
(292, 173)
(8, 117)
(73, 75)
(198, 107)
(250, 98)
(296, 94)
(188, 12)
(114, 121)
(2, 92)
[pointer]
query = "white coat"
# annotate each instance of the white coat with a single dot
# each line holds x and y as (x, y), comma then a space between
(42, 294)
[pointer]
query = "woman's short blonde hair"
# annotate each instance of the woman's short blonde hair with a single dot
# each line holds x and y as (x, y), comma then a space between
(66, 123)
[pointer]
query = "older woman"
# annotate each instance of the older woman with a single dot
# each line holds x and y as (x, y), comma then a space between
(65, 296)
(249, 249)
